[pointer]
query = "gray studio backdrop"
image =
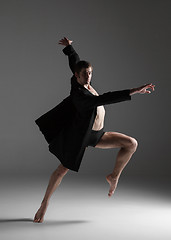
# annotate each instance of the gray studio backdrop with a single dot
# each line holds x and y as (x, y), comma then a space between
(128, 44)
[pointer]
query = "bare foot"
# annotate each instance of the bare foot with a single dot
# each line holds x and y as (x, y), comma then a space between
(113, 184)
(39, 216)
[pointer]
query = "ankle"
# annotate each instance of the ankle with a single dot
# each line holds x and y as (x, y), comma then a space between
(114, 176)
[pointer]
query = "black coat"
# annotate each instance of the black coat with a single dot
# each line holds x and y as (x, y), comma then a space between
(67, 126)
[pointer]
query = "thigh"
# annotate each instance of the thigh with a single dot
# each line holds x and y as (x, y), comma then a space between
(113, 140)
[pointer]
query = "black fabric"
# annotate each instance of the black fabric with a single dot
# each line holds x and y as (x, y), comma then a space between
(67, 126)
(53, 121)
(94, 137)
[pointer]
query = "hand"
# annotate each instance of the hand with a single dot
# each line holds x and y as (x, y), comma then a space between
(142, 89)
(65, 41)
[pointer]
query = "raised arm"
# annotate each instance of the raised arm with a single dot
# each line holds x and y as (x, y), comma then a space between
(70, 52)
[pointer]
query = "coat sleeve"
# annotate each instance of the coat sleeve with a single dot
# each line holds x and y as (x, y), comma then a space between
(84, 102)
(73, 57)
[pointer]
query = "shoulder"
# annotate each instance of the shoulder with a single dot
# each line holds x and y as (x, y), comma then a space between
(81, 96)
(82, 92)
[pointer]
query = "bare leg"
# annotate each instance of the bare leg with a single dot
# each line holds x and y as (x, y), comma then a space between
(54, 182)
(122, 159)
(128, 147)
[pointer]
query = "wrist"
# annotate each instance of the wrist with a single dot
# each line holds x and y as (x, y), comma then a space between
(133, 91)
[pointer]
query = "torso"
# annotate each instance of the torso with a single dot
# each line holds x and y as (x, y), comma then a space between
(99, 120)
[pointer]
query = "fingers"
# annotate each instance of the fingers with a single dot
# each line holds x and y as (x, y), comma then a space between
(62, 41)
(65, 41)
(151, 86)
(146, 86)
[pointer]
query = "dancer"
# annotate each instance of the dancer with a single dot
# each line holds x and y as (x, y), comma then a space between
(78, 122)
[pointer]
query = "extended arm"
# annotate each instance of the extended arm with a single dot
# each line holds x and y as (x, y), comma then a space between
(84, 101)
(73, 57)
(143, 89)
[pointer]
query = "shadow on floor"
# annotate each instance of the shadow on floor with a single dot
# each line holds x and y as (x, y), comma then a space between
(63, 222)
(16, 220)
(45, 223)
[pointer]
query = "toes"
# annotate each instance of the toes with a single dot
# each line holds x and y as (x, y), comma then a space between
(38, 220)
(110, 193)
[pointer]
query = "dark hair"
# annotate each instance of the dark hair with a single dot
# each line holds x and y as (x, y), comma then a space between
(82, 64)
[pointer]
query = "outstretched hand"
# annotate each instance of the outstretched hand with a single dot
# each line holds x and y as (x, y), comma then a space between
(143, 89)
(65, 41)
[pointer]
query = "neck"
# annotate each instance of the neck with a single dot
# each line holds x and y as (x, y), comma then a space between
(85, 85)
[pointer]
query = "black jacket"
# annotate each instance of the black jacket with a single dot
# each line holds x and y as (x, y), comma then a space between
(67, 126)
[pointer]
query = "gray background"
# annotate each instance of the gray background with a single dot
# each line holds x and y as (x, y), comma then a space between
(128, 44)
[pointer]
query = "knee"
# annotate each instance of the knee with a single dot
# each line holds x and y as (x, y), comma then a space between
(133, 144)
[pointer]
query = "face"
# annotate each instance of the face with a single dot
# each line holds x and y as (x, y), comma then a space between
(84, 77)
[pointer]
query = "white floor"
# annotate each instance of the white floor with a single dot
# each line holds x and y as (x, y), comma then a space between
(82, 210)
